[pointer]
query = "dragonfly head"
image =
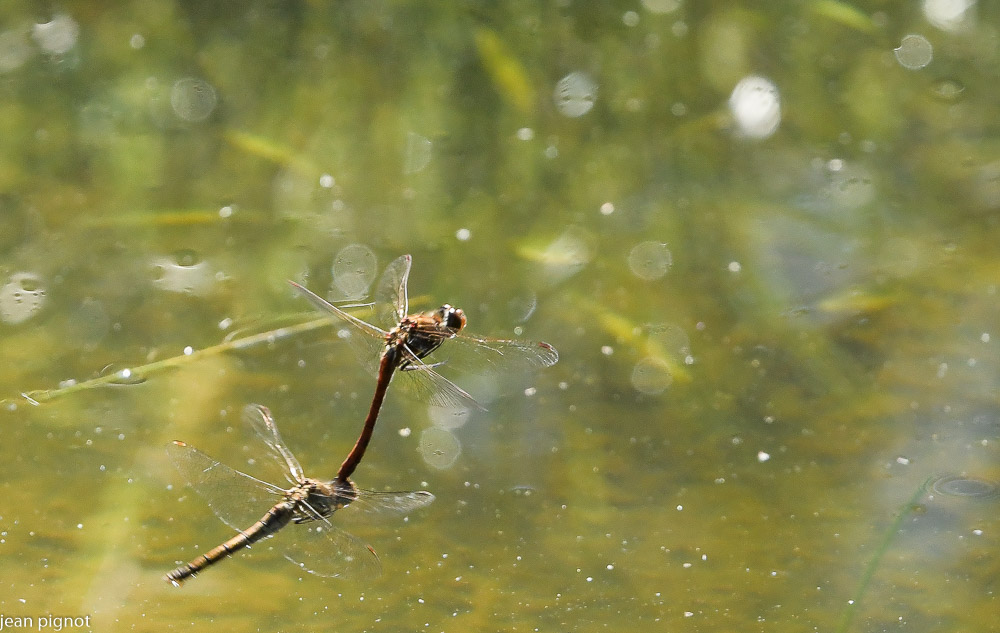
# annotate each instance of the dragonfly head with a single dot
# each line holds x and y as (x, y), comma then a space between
(451, 318)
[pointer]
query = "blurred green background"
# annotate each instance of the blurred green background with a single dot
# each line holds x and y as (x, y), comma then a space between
(763, 236)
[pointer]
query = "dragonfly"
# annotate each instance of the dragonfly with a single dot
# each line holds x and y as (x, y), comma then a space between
(404, 340)
(316, 545)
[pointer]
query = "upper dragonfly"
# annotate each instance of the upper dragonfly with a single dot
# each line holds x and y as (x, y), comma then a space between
(408, 338)
(237, 499)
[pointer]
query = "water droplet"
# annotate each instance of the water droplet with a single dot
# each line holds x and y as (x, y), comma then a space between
(448, 417)
(354, 270)
(192, 99)
(914, 52)
(522, 305)
(950, 90)
(182, 273)
(651, 376)
(58, 36)
(661, 6)
(439, 448)
(756, 107)
(186, 257)
(671, 338)
(850, 186)
(575, 94)
(650, 260)
(958, 486)
(123, 377)
(567, 254)
(418, 153)
(949, 15)
(21, 297)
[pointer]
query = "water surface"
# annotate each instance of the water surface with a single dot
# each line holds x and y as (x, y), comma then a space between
(762, 237)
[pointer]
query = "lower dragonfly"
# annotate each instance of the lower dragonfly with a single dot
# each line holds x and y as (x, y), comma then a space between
(237, 499)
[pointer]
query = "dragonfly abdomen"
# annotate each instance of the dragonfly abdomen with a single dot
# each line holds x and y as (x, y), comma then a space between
(275, 519)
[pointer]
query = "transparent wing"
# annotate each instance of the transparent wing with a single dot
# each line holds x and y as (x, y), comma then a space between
(320, 548)
(323, 305)
(260, 420)
(323, 549)
(389, 503)
(423, 383)
(239, 500)
(477, 354)
(391, 302)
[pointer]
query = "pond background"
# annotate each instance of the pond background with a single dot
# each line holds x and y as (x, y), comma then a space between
(776, 316)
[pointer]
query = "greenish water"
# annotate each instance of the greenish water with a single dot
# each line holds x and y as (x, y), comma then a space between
(773, 340)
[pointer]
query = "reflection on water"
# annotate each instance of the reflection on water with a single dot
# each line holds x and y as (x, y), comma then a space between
(756, 107)
(58, 36)
(651, 376)
(959, 486)
(182, 273)
(192, 99)
(575, 94)
(950, 15)
(650, 260)
(439, 447)
(354, 270)
(914, 52)
(21, 297)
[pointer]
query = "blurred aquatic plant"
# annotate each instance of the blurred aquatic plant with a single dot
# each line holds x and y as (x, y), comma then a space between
(662, 350)
(261, 147)
(888, 536)
(564, 256)
(138, 374)
(845, 14)
(507, 73)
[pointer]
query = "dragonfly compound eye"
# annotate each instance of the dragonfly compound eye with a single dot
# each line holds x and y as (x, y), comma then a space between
(453, 318)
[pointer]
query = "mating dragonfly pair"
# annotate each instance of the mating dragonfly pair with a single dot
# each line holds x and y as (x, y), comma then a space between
(322, 548)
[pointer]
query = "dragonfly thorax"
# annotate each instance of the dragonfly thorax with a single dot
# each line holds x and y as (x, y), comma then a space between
(315, 499)
(421, 334)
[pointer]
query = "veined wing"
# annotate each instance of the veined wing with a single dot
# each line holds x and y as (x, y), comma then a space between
(423, 383)
(474, 354)
(239, 500)
(365, 340)
(389, 503)
(260, 420)
(323, 305)
(391, 301)
(321, 548)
